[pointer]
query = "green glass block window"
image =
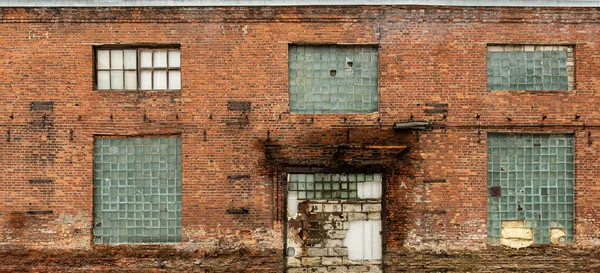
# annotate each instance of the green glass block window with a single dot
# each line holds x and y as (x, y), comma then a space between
(333, 79)
(137, 190)
(335, 186)
(529, 67)
(531, 178)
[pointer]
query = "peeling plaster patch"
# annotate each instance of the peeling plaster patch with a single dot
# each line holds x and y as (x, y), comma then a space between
(558, 236)
(292, 205)
(514, 234)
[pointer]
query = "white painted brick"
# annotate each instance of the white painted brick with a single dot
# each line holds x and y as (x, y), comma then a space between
(294, 262)
(332, 208)
(311, 261)
(352, 208)
(336, 234)
(338, 251)
(347, 261)
(353, 216)
(331, 261)
(371, 207)
(357, 269)
(316, 207)
(333, 243)
(316, 252)
(374, 269)
(338, 225)
(374, 215)
(338, 269)
(322, 269)
(337, 217)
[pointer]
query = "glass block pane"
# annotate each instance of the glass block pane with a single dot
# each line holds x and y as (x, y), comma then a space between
(174, 80)
(529, 68)
(146, 59)
(160, 80)
(160, 59)
(333, 79)
(116, 59)
(533, 178)
(103, 59)
(130, 80)
(103, 80)
(174, 56)
(145, 210)
(335, 186)
(146, 80)
(116, 79)
(130, 59)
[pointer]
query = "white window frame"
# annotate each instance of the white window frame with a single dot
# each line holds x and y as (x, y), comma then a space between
(169, 70)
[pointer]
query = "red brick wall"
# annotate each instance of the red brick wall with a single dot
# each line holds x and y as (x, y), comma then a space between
(426, 55)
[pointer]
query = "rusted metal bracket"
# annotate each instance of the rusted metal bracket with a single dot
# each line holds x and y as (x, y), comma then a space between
(41, 105)
(40, 181)
(40, 212)
(238, 177)
(239, 105)
(237, 211)
(434, 181)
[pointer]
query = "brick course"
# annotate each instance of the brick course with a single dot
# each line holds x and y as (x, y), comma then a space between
(427, 56)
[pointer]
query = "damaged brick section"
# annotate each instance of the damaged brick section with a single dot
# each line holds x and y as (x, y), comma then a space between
(317, 238)
(137, 259)
(497, 259)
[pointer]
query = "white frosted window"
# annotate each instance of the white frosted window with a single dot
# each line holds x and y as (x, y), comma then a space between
(130, 59)
(103, 80)
(363, 240)
(174, 56)
(116, 59)
(371, 188)
(160, 59)
(174, 80)
(116, 79)
(146, 59)
(160, 79)
(130, 80)
(103, 57)
(146, 80)
(292, 204)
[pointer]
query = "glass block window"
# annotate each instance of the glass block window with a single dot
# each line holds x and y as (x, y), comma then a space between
(530, 67)
(530, 178)
(335, 186)
(333, 79)
(138, 68)
(137, 190)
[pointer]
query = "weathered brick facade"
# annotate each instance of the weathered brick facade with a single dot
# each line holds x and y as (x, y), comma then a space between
(432, 67)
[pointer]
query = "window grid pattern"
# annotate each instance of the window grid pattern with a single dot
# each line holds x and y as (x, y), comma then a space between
(132, 69)
(333, 79)
(329, 186)
(137, 190)
(536, 176)
(529, 67)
